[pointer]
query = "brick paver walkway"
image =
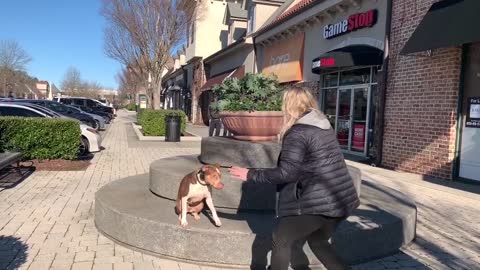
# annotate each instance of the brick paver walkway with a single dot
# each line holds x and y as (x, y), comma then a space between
(46, 222)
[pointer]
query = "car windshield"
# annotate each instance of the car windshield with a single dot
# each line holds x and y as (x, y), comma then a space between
(57, 107)
(74, 109)
(42, 109)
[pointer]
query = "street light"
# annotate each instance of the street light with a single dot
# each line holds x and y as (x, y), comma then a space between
(149, 80)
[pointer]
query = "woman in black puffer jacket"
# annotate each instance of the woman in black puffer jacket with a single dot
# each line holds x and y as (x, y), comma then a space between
(314, 189)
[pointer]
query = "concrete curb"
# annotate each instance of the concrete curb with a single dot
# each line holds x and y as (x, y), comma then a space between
(141, 137)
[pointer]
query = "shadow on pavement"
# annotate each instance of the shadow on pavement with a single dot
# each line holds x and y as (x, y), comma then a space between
(13, 252)
(13, 176)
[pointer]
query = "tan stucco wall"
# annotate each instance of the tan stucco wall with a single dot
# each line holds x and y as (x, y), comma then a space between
(208, 30)
(262, 13)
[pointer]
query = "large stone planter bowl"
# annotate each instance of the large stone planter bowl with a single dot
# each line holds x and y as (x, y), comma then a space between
(253, 126)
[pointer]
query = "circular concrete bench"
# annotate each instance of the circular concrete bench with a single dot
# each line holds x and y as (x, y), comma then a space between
(139, 212)
(129, 213)
(166, 174)
(230, 152)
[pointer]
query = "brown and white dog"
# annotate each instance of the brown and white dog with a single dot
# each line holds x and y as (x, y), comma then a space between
(195, 189)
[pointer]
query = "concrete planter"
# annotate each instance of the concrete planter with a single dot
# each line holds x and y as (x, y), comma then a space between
(141, 137)
(253, 126)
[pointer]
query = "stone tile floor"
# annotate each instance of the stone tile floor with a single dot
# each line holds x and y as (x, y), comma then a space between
(46, 221)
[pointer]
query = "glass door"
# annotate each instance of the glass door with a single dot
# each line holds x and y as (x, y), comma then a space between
(344, 105)
(360, 113)
(352, 118)
(470, 136)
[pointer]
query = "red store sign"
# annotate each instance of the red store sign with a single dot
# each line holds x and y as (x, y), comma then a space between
(352, 23)
(324, 62)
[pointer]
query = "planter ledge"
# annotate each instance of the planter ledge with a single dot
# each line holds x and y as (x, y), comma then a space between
(141, 137)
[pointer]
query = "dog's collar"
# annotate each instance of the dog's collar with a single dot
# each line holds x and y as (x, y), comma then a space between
(199, 178)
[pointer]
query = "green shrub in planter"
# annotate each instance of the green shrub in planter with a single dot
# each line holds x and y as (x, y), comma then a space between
(40, 138)
(153, 121)
(254, 92)
(131, 107)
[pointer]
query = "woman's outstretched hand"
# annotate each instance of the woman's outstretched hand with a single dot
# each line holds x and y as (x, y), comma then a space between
(239, 173)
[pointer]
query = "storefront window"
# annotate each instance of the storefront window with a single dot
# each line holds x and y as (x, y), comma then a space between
(330, 80)
(330, 105)
(355, 76)
(374, 74)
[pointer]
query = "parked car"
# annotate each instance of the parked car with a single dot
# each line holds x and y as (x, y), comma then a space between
(100, 119)
(105, 102)
(106, 116)
(63, 110)
(90, 140)
(86, 103)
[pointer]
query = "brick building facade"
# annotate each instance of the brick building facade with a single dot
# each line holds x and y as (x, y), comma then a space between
(421, 100)
(422, 97)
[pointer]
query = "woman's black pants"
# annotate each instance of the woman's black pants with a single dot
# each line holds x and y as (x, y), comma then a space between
(316, 229)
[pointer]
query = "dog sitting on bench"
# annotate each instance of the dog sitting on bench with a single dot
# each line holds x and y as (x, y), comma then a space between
(196, 189)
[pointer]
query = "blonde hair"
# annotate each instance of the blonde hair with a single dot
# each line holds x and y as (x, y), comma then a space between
(296, 101)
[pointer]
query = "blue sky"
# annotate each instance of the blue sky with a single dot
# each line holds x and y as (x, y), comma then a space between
(58, 34)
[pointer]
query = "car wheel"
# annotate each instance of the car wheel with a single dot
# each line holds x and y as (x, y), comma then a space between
(97, 125)
(84, 146)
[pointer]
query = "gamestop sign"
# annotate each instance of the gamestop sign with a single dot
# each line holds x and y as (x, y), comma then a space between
(352, 23)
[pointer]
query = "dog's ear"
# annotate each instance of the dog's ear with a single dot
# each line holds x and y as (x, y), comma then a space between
(204, 168)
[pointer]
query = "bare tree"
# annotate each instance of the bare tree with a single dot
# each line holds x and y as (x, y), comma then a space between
(13, 59)
(128, 84)
(89, 89)
(13, 56)
(72, 81)
(74, 85)
(142, 33)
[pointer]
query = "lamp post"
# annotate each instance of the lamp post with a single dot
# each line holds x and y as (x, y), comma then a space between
(149, 86)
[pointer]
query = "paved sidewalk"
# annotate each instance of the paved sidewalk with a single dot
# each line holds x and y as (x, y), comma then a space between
(46, 222)
(197, 130)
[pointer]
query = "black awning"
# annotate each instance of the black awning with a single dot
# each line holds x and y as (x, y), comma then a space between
(447, 23)
(358, 55)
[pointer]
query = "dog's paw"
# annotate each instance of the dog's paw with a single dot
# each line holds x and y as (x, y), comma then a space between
(183, 223)
(218, 223)
(196, 216)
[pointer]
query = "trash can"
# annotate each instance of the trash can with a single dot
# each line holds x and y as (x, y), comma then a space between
(172, 128)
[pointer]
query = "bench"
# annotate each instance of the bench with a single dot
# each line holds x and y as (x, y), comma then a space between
(9, 158)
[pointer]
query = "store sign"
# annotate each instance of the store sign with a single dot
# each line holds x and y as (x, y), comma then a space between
(285, 59)
(323, 62)
(473, 117)
(352, 23)
(143, 102)
(280, 59)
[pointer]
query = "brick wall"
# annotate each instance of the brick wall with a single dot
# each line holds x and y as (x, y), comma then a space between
(421, 100)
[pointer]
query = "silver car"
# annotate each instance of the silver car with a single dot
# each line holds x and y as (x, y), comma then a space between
(100, 120)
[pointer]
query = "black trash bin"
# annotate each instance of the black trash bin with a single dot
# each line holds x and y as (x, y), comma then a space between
(172, 128)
